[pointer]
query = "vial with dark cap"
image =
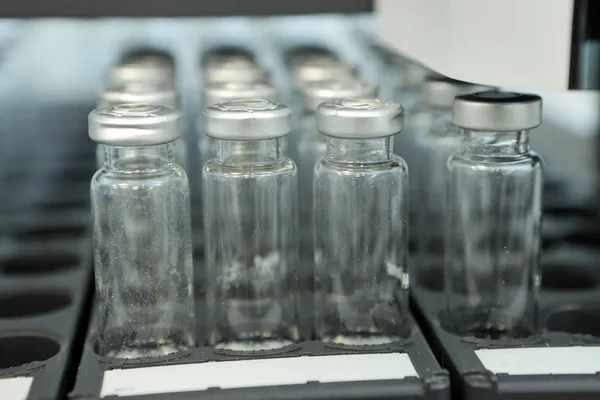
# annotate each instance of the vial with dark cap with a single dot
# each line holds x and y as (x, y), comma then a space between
(494, 218)
(157, 93)
(361, 225)
(250, 220)
(141, 234)
(434, 148)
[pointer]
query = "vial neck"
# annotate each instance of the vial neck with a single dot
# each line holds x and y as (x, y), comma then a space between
(139, 159)
(496, 144)
(249, 153)
(359, 151)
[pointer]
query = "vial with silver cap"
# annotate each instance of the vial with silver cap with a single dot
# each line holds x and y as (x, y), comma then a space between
(141, 234)
(142, 92)
(214, 93)
(434, 148)
(494, 219)
(141, 70)
(311, 145)
(250, 220)
(361, 225)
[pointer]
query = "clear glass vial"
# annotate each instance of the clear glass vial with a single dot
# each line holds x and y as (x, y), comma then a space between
(494, 218)
(361, 225)
(435, 147)
(312, 146)
(142, 237)
(250, 220)
(142, 92)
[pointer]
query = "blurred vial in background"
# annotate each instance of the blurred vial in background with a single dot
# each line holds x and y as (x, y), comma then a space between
(214, 93)
(141, 70)
(224, 54)
(494, 219)
(361, 225)
(319, 69)
(250, 220)
(304, 54)
(149, 56)
(142, 92)
(312, 146)
(435, 147)
(234, 70)
(142, 238)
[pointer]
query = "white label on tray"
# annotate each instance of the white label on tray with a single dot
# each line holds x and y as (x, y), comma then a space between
(15, 388)
(542, 360)
(253, 373)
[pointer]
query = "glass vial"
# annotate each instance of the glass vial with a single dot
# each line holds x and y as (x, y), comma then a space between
(142, 92)
(493, 231)
(312, 146)
(250, 220)
(435, 147)
(142, 238)
(361, 225)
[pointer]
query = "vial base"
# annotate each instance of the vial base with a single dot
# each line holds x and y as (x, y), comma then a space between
(135, 345)
(488, 323)
(255, 324)
(357, 321)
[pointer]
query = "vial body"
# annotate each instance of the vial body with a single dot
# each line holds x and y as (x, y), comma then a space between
(142, 253)
(493, 236)
(251, 245)
(435, 147)
(361, 242)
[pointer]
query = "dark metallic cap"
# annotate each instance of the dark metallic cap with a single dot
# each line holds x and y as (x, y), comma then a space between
(255, 119)
(215, 93)
(315, 93)
(497, 111)
(139, 92)
(439, 92)
(360, 118)
(135, 124)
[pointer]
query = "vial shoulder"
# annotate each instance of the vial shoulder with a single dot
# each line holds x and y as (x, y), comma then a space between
(173, 173)
(395, 164)
(467, 160)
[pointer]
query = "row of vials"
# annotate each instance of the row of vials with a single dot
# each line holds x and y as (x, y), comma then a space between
(484, 202)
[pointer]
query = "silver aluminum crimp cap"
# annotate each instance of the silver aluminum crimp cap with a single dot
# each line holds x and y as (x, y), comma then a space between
(315, 93)
(140, 72)
(134, 124)
(321, 69)
(497, 111)
(253, 119)
(360, 118)
(439, 92)
(139, 92)
(220, 92)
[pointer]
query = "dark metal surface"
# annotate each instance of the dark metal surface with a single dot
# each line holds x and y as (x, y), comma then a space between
(176, 8)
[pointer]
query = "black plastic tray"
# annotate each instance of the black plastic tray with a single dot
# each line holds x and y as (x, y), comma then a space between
(45, 258)
(570, 300)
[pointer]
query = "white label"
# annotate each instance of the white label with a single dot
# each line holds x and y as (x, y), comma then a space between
(542, 360)
(253, 373)
(15, 388)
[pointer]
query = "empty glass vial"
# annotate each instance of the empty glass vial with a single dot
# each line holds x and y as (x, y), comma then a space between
(250, 220)
(142, 238)
(493, 230)
(435, 147)
(361, 225)
(142, 92)
(214, 93)
(312, 146)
